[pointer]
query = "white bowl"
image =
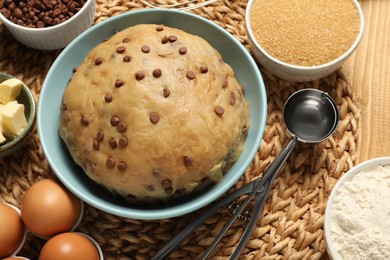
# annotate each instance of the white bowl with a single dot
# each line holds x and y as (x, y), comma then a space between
(53, 37)
(331, 216)
(292, 72)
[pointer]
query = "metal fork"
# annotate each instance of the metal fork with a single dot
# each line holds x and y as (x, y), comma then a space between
(179, 6)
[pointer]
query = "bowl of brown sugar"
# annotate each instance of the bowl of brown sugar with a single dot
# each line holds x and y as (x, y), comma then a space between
(47, 24)
(302, 40)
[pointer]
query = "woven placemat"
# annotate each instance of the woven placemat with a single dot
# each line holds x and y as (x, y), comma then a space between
(291, 224)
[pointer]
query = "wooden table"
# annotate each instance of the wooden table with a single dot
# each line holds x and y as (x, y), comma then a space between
(368, 71)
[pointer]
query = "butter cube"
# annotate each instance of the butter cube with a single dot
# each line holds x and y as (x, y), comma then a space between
(13, 118)
(9, 90)
(2, 138)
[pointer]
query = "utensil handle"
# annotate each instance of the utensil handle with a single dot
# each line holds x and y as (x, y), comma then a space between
(261, 186)
(176, 240)
(261, 195)
(259, 204)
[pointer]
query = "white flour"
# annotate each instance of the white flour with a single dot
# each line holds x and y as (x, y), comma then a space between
(360, 216)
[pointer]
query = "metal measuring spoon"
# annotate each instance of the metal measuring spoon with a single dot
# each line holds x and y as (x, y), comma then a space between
(310, 116)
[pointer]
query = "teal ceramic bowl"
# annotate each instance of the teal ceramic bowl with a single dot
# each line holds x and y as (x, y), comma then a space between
(26, 98)
(72, 176)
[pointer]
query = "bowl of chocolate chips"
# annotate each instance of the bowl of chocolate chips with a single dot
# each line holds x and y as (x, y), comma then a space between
(47, 24)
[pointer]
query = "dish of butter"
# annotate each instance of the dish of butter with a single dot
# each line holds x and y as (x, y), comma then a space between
(12, 118)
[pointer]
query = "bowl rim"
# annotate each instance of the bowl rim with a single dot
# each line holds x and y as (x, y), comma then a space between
(300, 67)
(382, 161)
(177, 209)
(49, 29)
(7, 147)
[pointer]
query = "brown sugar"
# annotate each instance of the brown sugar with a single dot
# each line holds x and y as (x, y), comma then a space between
(305, 32)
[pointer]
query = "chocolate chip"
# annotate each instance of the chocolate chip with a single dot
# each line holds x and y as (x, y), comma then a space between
(157, 73)
(118, 83)
(181, 191)
(100, 135)
(120, 49)
(150, 187)
(114, 121)
(187, 161)
(145, 49)
(121, 127)
(84, 121)
(225, 83)
(75, 69)
(166, 184)
(95, 145)
(206, 181)
(219, 110)
(204, 69)
(131, 197)
(126, 39)
(245, 129)
(166, 92)
(191, 75)
(232, 98)
(154, 117)
(57, 12)
(172, 38)
(159, 28)
(110, 162)
(139, 75)
(108, 98)
(126, 58)
(164, 39)
(123, 141)
(112, 143)
(98, 61)
(182, 50)
(156, 173)
(122, 166)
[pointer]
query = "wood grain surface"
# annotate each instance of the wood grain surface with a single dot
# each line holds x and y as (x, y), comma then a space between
(368, 71)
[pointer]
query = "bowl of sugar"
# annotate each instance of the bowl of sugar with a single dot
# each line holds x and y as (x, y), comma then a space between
(303, 40)
(357, 222)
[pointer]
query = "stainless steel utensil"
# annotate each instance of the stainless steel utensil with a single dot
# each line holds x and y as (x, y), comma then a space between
(310, 116)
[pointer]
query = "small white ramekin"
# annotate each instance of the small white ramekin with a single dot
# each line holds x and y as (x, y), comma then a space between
(294, 72)
(57, 36)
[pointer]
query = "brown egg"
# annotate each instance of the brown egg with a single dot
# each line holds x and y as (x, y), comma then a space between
(69, 246)
(11, 230)
(49, 209)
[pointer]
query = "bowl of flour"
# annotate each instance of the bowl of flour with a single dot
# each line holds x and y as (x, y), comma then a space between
(357, 215)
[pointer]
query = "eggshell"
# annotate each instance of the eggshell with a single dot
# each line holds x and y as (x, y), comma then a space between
(11, 230)
(69, 246)
(49, 209)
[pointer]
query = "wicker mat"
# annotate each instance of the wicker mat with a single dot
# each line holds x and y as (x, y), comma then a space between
(291, 224)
